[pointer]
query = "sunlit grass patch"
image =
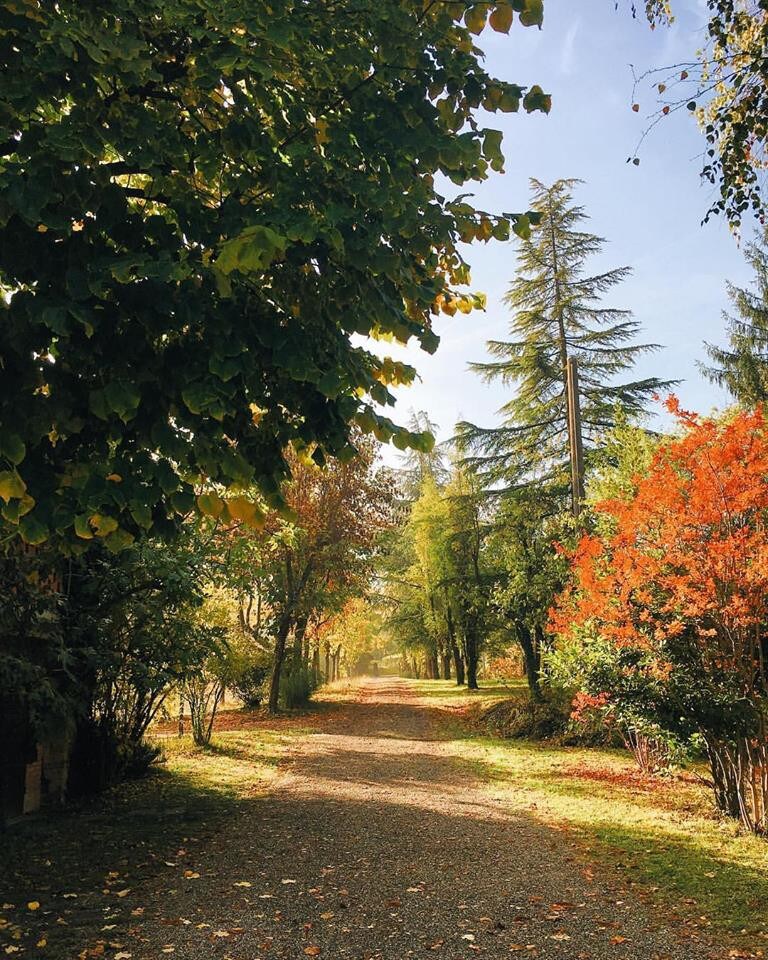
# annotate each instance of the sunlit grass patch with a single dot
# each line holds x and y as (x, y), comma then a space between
(237, 763)
(451, 693)
(664, 833)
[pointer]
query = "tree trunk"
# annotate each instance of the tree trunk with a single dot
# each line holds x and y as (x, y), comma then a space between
(531, 658)
(327, 662)
(446, 665)
(298, 643)
(471, 646)
(458, 662)
(283, 629)
(316, 664)
(434, 667)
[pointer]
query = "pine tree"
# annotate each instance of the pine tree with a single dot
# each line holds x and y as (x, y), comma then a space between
(420, 465)
(557, 313)
(742, 368)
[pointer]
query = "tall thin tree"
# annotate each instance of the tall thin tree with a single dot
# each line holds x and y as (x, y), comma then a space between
(558, 312)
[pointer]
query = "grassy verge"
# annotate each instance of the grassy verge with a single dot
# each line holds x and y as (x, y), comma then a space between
(446, 691)
(663, 833)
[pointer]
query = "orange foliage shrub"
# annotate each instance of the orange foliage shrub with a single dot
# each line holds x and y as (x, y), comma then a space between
(678, 590)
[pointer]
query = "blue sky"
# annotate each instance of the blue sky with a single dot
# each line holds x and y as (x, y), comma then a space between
(650, 214)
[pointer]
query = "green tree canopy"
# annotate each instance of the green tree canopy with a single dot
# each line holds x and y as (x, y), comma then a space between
(201, 201)
(742, 366)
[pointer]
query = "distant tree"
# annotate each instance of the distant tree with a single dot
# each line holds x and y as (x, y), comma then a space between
(557, 313)
(529, 573)
(421, 464)
(200, 204)
(469, 575)
(742, 366)
(321, 556)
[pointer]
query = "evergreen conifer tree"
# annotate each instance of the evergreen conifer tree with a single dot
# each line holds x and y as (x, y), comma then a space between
(558, 312)
(742, 366)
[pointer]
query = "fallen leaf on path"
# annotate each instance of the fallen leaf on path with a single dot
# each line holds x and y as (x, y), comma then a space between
(191, 874)
(617, 939)
(328, 915)
(560, 935)
(243, 883)
(312, 951)
(33, 905)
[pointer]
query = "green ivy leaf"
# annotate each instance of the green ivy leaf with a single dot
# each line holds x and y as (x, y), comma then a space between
(12, 447)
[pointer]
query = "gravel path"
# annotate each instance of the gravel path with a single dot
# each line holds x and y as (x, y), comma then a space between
(378, 844)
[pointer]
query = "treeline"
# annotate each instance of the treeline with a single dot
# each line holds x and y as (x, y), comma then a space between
(475, 567)
(633, 583)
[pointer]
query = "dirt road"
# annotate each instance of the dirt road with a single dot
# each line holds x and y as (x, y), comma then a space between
(379, 842)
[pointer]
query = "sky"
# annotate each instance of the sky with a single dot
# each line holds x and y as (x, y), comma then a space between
(650, 215)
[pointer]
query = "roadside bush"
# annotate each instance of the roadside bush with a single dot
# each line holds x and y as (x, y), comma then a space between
(668, 613)
(296, 688)
(520, 719)
(250, 684)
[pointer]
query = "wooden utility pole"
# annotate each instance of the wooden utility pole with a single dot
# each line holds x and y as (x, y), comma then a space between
(574, 435)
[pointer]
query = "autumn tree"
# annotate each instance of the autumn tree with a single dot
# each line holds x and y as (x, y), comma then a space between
(321, 555)
(198, 212)
(669, 604)
(742, 366)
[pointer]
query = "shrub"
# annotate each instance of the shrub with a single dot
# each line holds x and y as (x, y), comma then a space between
(669, 610)
(250, 685)
(526, 719)
(296, 688)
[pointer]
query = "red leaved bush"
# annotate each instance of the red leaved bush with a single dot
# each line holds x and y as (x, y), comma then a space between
(682, 582)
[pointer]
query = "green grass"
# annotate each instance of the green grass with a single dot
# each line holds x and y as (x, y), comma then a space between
(449, 691)
(664, 834)
(236, 764)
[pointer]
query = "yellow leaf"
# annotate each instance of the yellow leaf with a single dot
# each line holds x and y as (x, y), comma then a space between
(103, 525)
(475, 16)
(33, 905)
(11, 486)
(115, 478)
(245, 510)
(501, 18)
(210, 505)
